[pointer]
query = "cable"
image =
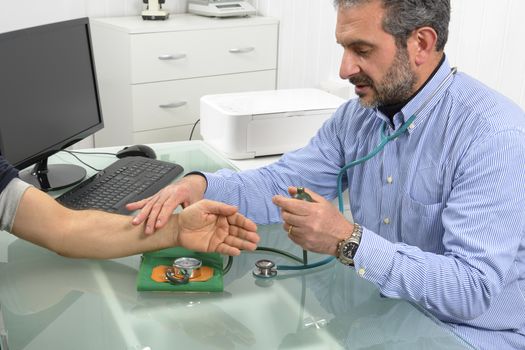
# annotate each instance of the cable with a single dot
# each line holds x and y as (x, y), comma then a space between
(228, 265)
(80, 160)
(281, 252)
(304, 265)
(307, 266)
(193, 128)
(78, 152)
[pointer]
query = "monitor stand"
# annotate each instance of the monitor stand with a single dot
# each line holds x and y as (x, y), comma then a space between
(54, 176)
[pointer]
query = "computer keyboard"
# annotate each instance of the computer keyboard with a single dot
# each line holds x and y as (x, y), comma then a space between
(126, 180)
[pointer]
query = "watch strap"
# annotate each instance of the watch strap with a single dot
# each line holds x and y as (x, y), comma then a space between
(353, 239)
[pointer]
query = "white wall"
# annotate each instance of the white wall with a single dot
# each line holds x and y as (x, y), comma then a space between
(486, 41)
(486, 36)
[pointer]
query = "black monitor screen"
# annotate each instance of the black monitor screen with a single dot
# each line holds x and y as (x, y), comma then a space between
(48, 91)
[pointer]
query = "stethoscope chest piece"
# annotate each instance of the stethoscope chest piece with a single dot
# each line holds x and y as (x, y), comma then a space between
(265, 269)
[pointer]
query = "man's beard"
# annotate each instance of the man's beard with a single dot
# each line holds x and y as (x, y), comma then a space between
(396, 86)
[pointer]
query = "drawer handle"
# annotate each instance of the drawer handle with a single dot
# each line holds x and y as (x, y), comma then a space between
(242, 50)
(172, 57)
(174, 104)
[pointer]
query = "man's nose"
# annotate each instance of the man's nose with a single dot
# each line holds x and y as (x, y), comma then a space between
(349, 66)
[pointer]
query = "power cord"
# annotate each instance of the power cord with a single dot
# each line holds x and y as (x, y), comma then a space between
(74, 154)
(193, 128)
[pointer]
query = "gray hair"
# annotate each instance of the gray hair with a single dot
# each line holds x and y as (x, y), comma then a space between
(402, 17)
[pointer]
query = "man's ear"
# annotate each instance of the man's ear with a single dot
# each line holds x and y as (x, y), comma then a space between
(422, 44)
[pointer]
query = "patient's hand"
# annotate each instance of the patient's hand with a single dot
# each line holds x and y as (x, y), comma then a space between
(209, 226)
(157, 209)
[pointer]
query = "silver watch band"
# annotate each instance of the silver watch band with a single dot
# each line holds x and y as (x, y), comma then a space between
(354, 239)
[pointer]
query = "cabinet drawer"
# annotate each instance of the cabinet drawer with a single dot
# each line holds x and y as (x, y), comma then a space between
(172, 103)
(196, 53)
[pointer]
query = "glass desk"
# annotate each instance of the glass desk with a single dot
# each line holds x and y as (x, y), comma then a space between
(51, 302)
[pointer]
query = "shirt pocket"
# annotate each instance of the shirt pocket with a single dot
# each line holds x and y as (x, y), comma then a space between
(421, 224)
(425, 185)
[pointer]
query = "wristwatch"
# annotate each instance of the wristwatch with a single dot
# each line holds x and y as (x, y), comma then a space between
(347, 248)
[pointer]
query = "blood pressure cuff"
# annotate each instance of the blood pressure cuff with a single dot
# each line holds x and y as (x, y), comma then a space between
(166, 257)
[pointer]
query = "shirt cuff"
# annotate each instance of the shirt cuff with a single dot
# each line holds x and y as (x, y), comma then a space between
(217, 185)
(374, 257)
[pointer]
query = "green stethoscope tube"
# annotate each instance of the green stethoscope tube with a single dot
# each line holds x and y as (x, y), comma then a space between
(384, 140)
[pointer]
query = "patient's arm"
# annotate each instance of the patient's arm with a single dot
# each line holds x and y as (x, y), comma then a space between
(204, 226)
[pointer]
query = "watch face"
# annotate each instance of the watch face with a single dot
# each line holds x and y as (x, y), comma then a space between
(349, 249)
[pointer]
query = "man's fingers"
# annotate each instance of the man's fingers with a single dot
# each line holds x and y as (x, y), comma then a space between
(291, 205)
(143, 214)
(138, 204)
(247, 236)
(242, 221)
(246, 230)
(217, 208)
(316, 197)
(291, 219)
(227, 250)
(165, 213)
(152, 217)
(233, 245)
(239, 243)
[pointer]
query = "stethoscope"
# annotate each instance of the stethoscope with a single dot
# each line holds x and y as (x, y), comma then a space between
(266, 268)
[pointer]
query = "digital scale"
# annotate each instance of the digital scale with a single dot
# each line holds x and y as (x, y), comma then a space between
(221, 8)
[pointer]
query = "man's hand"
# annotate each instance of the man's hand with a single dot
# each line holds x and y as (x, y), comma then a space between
(157, 209)
(209, 226)
(317, 226)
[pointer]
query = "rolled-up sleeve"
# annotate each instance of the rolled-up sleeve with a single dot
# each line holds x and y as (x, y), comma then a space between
(9, 200)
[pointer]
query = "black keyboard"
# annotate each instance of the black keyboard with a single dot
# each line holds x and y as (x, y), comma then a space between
(126, 180)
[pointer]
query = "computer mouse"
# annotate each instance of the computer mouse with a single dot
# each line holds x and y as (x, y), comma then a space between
(137, 151)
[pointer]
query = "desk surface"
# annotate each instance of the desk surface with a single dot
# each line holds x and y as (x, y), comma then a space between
(51, 302)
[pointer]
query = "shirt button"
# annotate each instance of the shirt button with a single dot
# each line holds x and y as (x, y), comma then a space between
(389, 179)
(386, 221)
(411, 126)
(361, 272)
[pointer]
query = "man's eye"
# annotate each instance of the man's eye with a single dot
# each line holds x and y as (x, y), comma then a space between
(363, 52)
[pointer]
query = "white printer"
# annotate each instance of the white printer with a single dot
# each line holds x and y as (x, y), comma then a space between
(250, 124)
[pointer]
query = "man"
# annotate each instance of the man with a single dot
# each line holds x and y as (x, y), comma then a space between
(32, 215)
(440, 210)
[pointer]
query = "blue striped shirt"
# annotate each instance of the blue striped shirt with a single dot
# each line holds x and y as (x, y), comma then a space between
(442, 206)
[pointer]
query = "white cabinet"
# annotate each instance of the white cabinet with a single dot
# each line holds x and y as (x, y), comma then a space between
(151, 74)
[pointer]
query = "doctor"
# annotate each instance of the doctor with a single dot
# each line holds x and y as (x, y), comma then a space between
(440, 211)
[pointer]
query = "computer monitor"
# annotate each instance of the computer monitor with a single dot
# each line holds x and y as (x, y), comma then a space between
(48, 99)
